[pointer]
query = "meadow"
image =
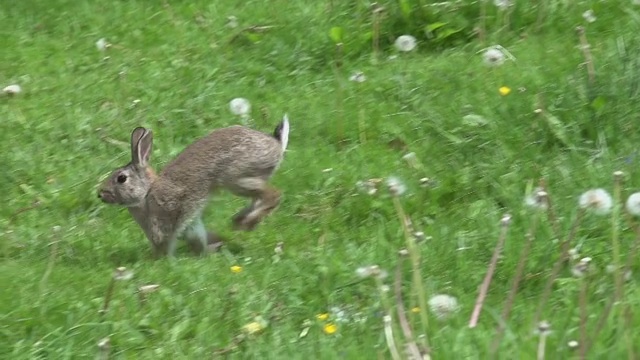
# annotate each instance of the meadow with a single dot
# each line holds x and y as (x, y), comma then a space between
(411, 172)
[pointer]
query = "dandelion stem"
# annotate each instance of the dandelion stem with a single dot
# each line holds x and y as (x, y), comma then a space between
(542, 340)
(555, 271)
(484, 288)
(586, 52)
(583, 317)
(388, 333)
(615, 242)
(108, 295)
(414, 252)
(402, 316)
(506, 311)
(553, 218)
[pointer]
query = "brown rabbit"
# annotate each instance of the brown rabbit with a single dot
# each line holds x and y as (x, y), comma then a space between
(170, 204)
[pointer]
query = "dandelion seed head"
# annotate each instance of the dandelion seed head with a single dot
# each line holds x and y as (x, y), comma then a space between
(581, 268)
(633, 204)
(405, 43)
(493, 57)
(537, 199)
(12, 89)
(232, 22)
(240, 106)
(396, 186)
(358, 77)
(598, 200)
(369, 187)
(544, 328)
(589, 16)
(104, 344)
(122, 274)
(574, 253)
(102, 44)
(443, 306)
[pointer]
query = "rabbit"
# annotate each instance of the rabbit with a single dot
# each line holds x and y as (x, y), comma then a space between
(169, 205)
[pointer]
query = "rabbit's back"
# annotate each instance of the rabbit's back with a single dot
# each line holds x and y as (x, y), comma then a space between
(222, 157)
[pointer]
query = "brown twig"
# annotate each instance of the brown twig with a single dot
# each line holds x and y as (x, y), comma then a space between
(484, 288)
(565, 246)
(33, 205)
(506, 311)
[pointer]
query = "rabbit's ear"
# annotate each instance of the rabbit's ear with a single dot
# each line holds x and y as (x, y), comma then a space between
(141, 145)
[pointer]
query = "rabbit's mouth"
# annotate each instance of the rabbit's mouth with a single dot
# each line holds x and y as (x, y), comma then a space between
(106, 197)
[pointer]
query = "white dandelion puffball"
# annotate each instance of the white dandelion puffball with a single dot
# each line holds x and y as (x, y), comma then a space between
(405, 43)
(598, 200)
(493, 57)
(12, 89)
(358, 77)
(537, 199)
(102, 44)
(396, 186)
(240, 106)
(589, 16)
(633, 204)
(443, 306)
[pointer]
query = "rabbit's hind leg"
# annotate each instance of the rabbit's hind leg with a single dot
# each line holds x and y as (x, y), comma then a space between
(265, 199)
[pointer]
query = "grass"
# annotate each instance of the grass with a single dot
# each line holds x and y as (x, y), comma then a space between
(69, 127)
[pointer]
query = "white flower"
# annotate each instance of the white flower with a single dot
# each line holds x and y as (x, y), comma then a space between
(589, 16)
(405, 43)
(493, 57)
(102, 44)
(122, 274)
(537, 199)
(502, 4)
(572, 344)
(443, 306)
(574, 253)
(358, 77)
(12, 89)
(598, 200)
(240, 107)
(395, 185)
(633, 204)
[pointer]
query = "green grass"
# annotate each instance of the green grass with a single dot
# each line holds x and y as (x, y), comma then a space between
(184, 65)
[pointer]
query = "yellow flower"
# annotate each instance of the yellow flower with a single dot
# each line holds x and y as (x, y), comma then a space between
(253, 328)
(330, 328)
(322, 317)
(415, 310)
(236, 269)
(505, 90)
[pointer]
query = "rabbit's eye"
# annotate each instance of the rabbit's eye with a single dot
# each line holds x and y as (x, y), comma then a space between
(121, 179)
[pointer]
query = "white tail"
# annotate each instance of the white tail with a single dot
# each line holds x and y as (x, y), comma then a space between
(284, 132)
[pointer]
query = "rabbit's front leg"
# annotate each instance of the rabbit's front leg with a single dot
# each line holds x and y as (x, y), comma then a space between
(163, 238)
(199, 239)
